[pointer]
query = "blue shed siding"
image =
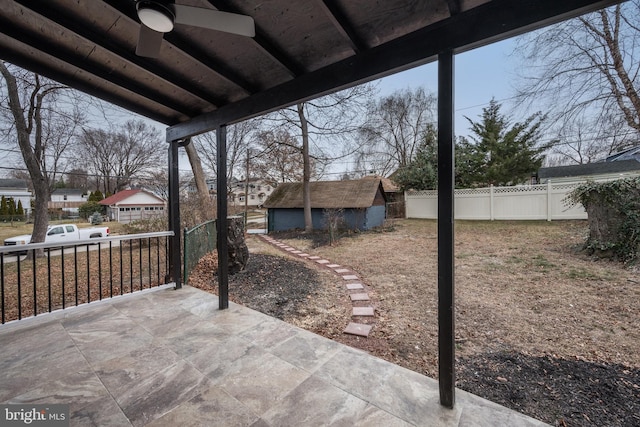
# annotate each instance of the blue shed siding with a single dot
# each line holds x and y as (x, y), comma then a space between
(289, 219)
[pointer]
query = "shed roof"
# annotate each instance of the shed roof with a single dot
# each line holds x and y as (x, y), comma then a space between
(359, 193)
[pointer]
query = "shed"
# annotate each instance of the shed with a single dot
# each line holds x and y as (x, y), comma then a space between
(362, 203)
(132, 205)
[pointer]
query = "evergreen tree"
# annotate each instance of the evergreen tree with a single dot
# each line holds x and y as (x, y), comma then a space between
(4, 209)
(11, 208)
(20, 210)
(422, 172)
(502, 154)
(96, 196)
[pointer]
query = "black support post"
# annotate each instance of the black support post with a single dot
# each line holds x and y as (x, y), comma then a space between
(221, 223)
(174, 214)
(446, 179)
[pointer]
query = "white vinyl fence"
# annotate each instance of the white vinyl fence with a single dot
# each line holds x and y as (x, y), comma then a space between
(534, 202)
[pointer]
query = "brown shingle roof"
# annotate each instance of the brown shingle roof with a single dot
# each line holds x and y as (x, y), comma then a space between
(326, 194)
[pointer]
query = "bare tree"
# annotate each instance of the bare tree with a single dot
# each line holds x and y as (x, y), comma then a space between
(278, 157)
(327, 127)
(586, 70)
(396, 124)
(34, 111)
(119, 156)
(239, 139)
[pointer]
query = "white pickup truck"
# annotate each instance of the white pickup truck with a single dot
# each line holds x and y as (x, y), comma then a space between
(62, 233)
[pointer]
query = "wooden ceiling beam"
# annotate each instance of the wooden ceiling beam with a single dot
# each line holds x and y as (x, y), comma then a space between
(342, 24)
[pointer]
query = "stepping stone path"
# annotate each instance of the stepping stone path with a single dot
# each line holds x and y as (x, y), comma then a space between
(359, 297)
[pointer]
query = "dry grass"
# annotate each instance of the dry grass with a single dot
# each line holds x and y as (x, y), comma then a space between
(519, 285)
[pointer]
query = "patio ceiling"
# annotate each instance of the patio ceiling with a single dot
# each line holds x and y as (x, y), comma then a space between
(204, 78)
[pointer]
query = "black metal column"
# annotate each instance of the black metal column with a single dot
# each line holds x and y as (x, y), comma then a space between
(446, 179)
(174, 214)
(221, 223)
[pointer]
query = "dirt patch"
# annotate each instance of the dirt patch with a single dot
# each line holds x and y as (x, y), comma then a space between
(525, 298)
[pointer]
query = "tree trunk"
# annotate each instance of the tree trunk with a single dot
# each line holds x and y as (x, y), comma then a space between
(237, 247)
(198, 172)
(23, 131)
(306, 175)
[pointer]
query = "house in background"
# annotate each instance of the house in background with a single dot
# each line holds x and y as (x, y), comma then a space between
(133, 205)
(18, 190)
(362, 203)
(67, 200)
(625, 164)
(258, 191)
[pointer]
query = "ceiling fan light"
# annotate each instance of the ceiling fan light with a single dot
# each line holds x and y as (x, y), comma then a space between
(155, 16)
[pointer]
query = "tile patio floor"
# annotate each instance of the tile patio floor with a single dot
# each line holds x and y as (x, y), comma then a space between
(171, 358)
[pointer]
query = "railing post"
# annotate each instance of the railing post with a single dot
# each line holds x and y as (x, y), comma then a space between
(491, 211)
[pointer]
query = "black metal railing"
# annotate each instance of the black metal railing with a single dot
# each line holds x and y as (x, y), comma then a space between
(43, 277)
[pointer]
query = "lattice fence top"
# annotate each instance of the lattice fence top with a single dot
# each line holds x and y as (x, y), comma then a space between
(499, 190)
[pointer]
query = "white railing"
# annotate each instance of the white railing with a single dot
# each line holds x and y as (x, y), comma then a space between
(531, 202)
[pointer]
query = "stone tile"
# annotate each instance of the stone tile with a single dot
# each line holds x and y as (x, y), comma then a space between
(306, 350)
(315, 403)
(342, 270)
(413, 398)
(358, 329)
(118, 374)
(296, 252)
(363, 311)
(333, 265)
(314, 257)
(252, 380)
(355, 371)
(290, 249)
(103, 344)
(215, 360)
(193, 338)
(322, 261)
(269, 333)
(78, 388)
(104, 412)
(153, 397)
(375, 417)
(350, 277)
(353, 286)
(359, 297)
(478, 412)
(303, 255)
(211, 408)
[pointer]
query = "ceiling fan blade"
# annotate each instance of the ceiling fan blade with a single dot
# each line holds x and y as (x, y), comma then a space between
(149, 42)
(215, 20)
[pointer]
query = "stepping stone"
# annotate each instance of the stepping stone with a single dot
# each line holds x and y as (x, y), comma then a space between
(359, 297)
(363, 311)
(350, 277)
(289, 249)
(322, 261)
(303, 255)
(296, 252)
(314, 257)
(333, 265)
(342, 270)
(358, 329)
(352, 286)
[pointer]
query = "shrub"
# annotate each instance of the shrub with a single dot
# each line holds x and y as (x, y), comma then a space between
(614, 217)
(87, 209)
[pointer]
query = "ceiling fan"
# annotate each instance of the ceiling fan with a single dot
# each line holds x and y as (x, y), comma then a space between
(159, 17)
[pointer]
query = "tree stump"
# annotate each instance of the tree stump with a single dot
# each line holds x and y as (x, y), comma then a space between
(237, 247)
